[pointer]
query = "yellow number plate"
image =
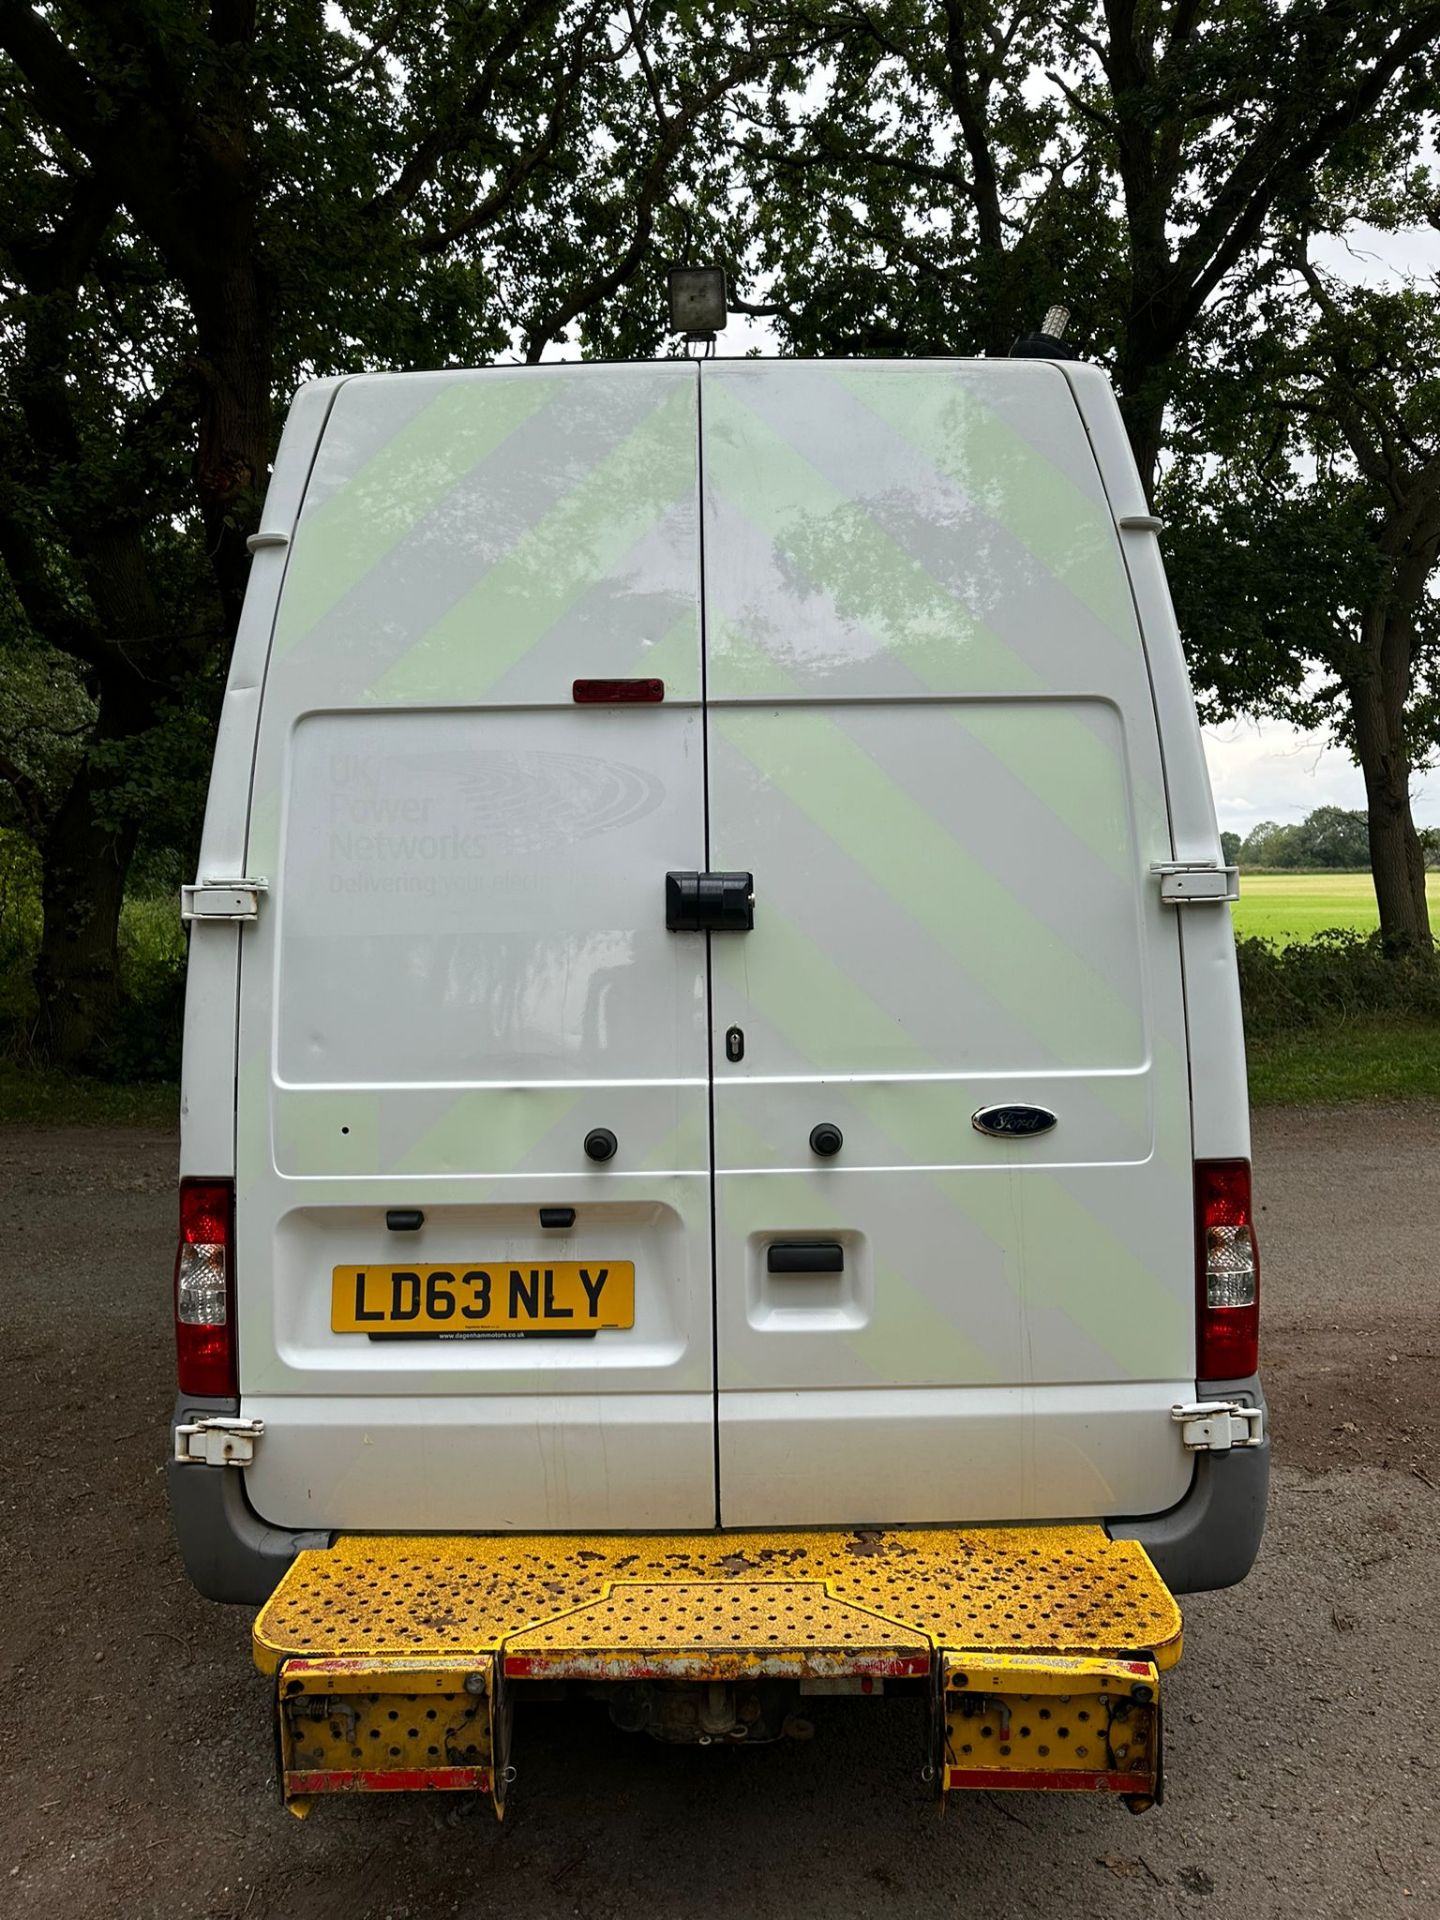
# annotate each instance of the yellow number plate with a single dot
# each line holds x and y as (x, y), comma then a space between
(567, 1296)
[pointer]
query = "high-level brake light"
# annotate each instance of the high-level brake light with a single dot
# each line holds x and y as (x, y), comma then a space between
(618, 693)
(1227, 1272)
(205, 1289)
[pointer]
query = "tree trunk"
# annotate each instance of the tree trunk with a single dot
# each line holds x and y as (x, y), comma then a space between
(86, 849)
(77, 970)
(1144, 417)
(1143, 371)
(234, 336)
(1397, 860)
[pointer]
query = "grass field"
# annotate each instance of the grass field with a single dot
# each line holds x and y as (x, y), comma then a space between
(1292, 906)
(1373, 1058)
(1366, 1059)
(37, 1099)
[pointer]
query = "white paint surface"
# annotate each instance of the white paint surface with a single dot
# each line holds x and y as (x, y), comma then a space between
(934, 671)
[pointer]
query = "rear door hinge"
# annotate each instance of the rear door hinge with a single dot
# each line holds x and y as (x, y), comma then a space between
(222, 900)
(219, 1440)
(1190, 883)
(1217, 1426)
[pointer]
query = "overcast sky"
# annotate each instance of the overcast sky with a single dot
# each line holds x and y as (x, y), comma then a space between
(1263, 770)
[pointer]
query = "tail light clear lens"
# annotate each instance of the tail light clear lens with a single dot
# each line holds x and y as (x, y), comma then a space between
(204, 1289)
(1228, 1271)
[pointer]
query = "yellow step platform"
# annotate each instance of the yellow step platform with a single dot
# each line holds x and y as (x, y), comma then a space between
(1041, 1647)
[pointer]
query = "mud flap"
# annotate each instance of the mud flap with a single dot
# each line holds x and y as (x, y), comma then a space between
(1036, 1721)
(358, 1725)
(502, 1716)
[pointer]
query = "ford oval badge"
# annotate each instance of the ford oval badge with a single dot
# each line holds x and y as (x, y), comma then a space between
(1013, 1122)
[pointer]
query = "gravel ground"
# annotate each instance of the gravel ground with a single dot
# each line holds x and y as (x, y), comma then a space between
(1301, 1779)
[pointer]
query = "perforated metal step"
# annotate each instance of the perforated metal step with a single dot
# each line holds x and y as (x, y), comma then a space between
(798, 1603)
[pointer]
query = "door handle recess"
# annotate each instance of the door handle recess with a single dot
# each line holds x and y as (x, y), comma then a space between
(709, 902)
(805, 1256)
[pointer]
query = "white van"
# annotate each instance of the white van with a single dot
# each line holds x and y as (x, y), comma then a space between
(713, 1072)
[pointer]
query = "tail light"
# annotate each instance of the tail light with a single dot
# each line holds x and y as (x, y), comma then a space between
(1228, 1272)
(205, 1289)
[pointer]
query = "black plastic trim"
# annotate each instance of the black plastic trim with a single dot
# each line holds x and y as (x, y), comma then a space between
(805, 1256)
(1211, 1538)
(230, 1553)
(1043, 346)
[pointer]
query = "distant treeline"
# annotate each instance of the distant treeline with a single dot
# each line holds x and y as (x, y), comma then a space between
(1330, 837)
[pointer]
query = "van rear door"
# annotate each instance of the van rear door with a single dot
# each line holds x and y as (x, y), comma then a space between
(931, 738)
(924, 724)
(461, 970)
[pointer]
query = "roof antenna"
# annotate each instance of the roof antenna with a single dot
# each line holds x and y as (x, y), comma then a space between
(1049, 343)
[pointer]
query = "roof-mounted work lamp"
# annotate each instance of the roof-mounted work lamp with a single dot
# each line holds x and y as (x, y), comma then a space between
(697, 302)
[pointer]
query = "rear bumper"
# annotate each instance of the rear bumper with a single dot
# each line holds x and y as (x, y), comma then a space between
(229, 1552)
(1208, 1540)
(1211, 1538)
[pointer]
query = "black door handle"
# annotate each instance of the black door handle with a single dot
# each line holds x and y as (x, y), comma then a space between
(709, 902)
(806, 1256)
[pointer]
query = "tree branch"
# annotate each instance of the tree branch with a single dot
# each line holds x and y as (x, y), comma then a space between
(825, 155)
(761, 310)
(58, 260)
(28, 795)
(508, 188)
(48, 611)
(1275, 161)
(968, 107)
(642, 54)
(61, 86)
(473, 110)
(1082, 107)
(232, 22)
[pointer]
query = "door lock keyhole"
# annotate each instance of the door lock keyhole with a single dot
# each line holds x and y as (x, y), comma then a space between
(734, 1044)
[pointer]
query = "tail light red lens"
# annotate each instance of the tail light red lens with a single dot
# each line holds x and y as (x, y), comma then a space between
(1227, 1272)
(205, 1289)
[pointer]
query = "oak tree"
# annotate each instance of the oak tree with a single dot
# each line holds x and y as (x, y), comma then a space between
(209, 203)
